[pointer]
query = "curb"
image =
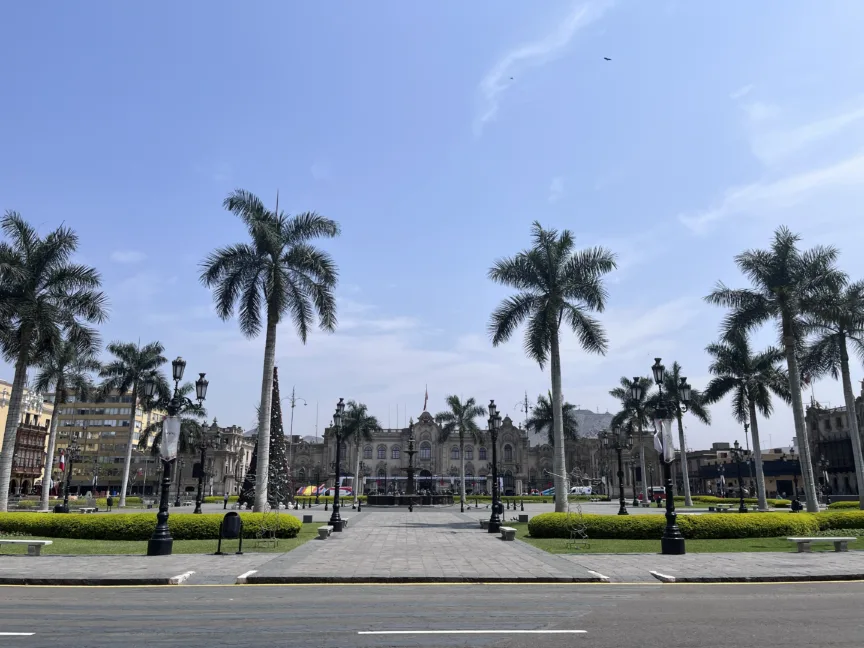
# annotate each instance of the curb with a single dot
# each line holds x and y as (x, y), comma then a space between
(86, 582)
(759, 579)
(293, 580)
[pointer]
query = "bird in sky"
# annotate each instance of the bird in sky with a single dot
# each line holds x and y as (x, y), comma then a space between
(606, 58)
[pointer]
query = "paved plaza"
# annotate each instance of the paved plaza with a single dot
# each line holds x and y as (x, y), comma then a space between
(441, 545)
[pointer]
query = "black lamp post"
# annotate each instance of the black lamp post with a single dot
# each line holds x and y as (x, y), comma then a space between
(181, 465)
(335, 519)
(635, 494)
(73, 455)
(205, 442)
(618, 440)
(823, 469)
(796, 468)
(672, 541)
(317, 480)
(494, 423)
(738, 456)
(161, 543)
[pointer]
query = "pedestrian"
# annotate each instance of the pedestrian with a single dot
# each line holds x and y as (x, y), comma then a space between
(225, 499)
(110, 502)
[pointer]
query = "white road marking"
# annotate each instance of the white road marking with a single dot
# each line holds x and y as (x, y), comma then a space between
(662, 577)
(605, 579)
(176, 580)
(241, 579)
(17, 634)
(443, 632)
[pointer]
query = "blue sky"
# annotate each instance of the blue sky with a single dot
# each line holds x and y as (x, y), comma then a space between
(713, 123)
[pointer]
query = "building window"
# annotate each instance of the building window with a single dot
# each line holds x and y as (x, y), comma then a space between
(382, 452)
(425, 450)
(481, 454)
(454, 452)
(508, 452)
(839, 423)
(469, 453)
(367, 452)
(395, 452)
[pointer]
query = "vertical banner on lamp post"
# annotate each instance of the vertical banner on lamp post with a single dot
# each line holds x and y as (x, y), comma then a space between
(170, 437)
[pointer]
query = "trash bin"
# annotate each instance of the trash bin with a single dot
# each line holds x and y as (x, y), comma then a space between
(231, 528)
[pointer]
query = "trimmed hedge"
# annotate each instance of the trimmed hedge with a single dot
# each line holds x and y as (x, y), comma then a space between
(843, 505)
(134, 526)
(218, 499)
(645, 527)
(101, 502)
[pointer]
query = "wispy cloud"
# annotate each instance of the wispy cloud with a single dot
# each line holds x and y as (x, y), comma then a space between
(766, 196)
(502, 75)
(127, 256)
(556, 189)
(742, 91)
(759, 111)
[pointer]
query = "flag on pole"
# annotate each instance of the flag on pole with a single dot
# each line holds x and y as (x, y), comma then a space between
(62, 462)
(426, 398)
(658, 442)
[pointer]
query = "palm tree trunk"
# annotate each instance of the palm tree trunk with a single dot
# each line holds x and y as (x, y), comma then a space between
(462, 467)
(558, 426)
(685, 473)
(12, 418)
(52, 442)
(757, 456)
(263, 468)
(851, 416)
(128, 464)
(356, 468)
(800, 429)
(642, 468)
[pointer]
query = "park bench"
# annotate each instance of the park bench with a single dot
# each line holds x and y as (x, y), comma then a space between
(508, 533)
(188, 502)
(34, 547)
(840, 544)
(645, 504)
(719, 508)
(324, 532)
(88, 509)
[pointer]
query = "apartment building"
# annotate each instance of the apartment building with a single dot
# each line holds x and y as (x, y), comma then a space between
(28, 455)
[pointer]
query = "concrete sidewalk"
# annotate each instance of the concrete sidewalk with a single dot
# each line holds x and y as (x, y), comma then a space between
(427, 546)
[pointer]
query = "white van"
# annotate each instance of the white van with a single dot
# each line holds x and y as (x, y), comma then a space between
(580, 490)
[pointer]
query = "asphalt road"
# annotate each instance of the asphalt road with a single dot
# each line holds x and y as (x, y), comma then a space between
(612, 616)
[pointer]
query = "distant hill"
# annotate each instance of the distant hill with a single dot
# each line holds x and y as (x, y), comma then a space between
(590, 423)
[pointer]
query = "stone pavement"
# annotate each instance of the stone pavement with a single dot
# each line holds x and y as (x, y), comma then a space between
(439, 545)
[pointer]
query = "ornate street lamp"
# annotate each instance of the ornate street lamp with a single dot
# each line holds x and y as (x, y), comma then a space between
(73, 455)
(796, 468)
(672, 541)
(618, 440)
(738, 456)
(335, 519)
(823, 468)
(494, 424)
(161, 543)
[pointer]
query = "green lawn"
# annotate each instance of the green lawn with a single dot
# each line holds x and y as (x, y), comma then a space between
(67, 546)
(560, 546)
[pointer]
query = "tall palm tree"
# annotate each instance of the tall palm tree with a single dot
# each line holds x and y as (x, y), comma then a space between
(280, 273)
(358, 425)
(751, 379)
(460, 419)
(42, 295)
(542, 419)
(126, 374)
(696, 406)
(68, 369)
(785, 283)
(838, 322)
(635, 414)
(556, 285)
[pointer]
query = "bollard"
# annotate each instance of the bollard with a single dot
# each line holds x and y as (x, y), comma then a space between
(359, 505)
(522, 505)
(325, 505)
(304, 505)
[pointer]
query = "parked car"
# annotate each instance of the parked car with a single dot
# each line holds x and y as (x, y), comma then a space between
(580, 490)
(344, 491)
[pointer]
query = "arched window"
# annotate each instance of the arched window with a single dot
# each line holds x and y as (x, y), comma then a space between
(508, 452)
(367, 452)
(395, 451)
(469, 453)
(425, 450)
(481, 454)
(382, 452)
(509, 482)
(454, 452)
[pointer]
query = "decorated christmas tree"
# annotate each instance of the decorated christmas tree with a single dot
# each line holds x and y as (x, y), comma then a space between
(278, 488)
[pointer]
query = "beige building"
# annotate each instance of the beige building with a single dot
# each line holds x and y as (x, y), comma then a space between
(28, 457)
(37, 408)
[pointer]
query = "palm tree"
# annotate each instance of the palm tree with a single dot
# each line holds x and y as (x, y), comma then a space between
(281, 273)
(785, 283)
(43, 295)
(837, 322)
(131, 367)
(459, 419)
(556, 285)
(696, 406)
(358, 425)
(542, 419)
(750, 378)
(635, 414)
(67, 370)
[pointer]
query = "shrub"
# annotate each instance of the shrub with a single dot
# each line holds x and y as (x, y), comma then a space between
(218, 499)
(843, 505)
(840, 519)
(135, 526)
(642, 527)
